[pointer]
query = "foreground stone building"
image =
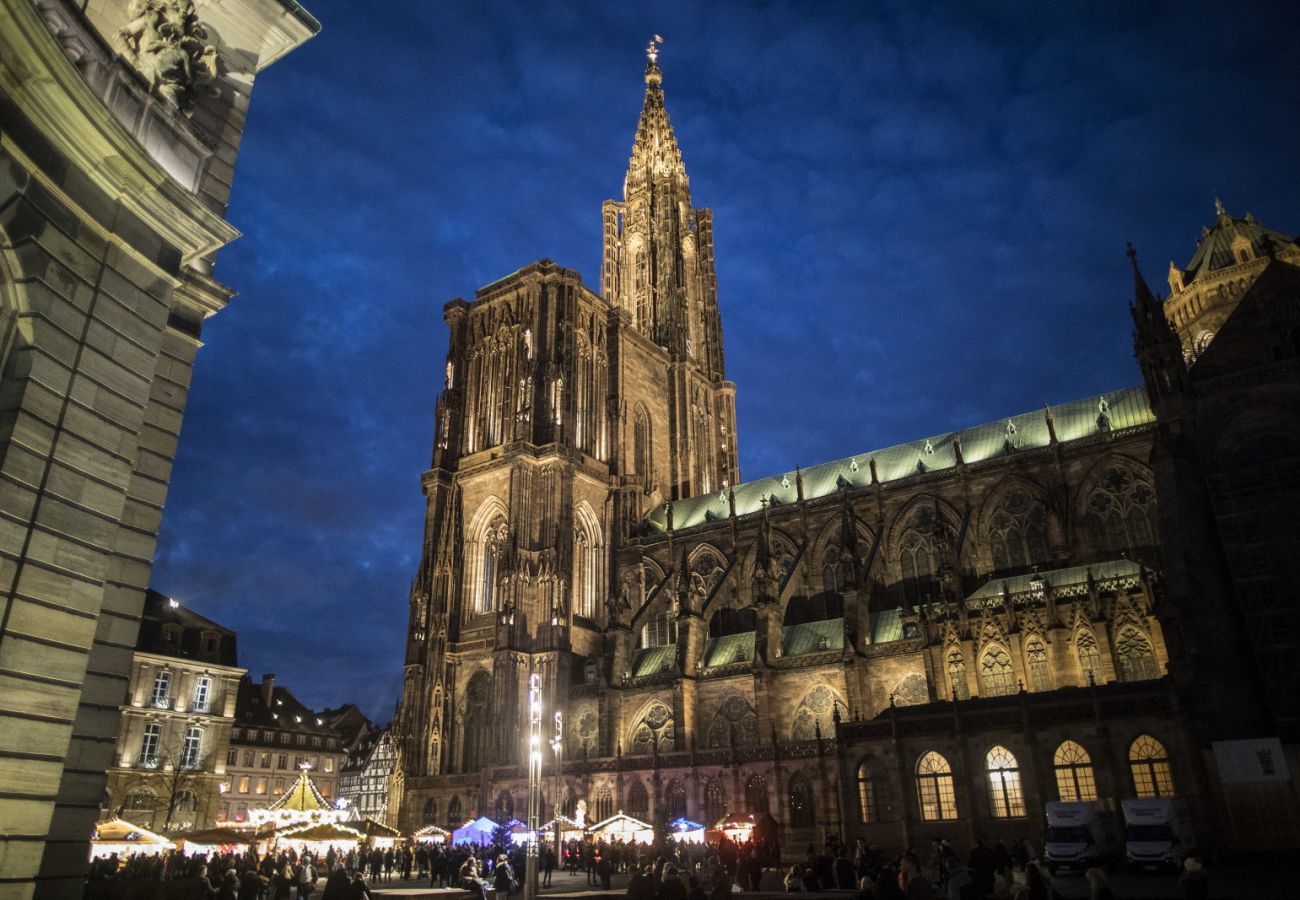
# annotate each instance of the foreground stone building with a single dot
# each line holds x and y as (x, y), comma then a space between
(931, 639)
(119, 127)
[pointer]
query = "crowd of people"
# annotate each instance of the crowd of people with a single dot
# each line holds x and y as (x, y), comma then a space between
(666, 871)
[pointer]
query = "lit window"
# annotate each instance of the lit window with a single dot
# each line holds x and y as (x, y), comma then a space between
(243, 785)
(162, 683)
(934, 788)
(1040, 673)
(957, 674)
(329, 764)
(149, 745)
(1089, 658)
(261, 785)
(1149, 762)
(190, 749)
(1074, 776)
(1005, 798)
(873, 790)
(998, 676)
(202, 694)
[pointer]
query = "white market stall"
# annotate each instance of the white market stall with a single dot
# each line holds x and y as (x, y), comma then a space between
(126, 839)
(621, 826)
(320, 837)
(430, 834)
(214, 840)
(570, 830)
(478, 832)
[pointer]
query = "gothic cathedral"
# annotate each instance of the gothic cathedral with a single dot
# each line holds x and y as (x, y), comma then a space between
(858, 647)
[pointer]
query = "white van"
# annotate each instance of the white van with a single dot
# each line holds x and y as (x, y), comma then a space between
(1075, 836)
(1156, 834)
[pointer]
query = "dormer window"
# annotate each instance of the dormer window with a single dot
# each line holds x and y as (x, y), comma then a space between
(1242, 249)
(171, 636)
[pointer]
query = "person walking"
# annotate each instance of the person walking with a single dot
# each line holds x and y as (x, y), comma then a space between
(503, 878)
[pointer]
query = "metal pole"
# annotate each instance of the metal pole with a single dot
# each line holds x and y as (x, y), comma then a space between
(534, 782)
(557, 744)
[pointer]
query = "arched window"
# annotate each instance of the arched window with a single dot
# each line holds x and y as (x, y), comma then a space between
(676, 797)
(957, 674)
(638, 801)
(873, 791)
(996, 673)
(654, 731)
(1074, 776)
(737, 720)
(816, 712)
(916, 560)
(1005, 798)
(476, 725)
(140, 800)
(756, 800)
(453, 810)
(715, 801)
(604, 805)
(1040, 672)
(1149, 762)
(1119, 514)
(1089, 658)
(431, 810)
(569, 808)
(802, 812)
(934, 788)
(486, 546)
(586, 562)
(1018, 533)
(1137, 662)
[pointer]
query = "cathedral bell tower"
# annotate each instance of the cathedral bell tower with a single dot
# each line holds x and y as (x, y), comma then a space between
(657, 267)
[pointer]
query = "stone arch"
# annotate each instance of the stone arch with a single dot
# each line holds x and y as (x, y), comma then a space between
(826, 552)
(487, 537)
(816, 711)
(785, 550)
(1116, 508)
(589, 583)
(914, 554)
(706, 566)
(1016, 525)
(652, 729)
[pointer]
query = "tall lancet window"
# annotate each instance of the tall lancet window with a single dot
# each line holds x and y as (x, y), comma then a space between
(587, 550)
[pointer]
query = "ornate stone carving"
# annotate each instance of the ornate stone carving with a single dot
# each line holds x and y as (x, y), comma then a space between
(168, 46)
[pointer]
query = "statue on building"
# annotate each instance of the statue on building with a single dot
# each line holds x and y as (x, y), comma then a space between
(168, 46)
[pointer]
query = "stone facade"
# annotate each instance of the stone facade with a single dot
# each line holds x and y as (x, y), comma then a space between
(112, 205)
(174, 735)
(988, 605)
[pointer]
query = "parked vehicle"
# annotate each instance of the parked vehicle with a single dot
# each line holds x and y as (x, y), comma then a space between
(1075, 836)
(1156, 833)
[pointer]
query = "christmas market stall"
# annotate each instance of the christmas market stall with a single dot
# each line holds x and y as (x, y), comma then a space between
(621, 826)
(687, 832)
(126, 839)
(214, 840)
(430, 834)
(319, 838)
(377, 834)
(570, 830)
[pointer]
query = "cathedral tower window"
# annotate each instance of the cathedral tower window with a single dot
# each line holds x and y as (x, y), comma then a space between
(1089, 659)
(476, 726)
(803, 813)
(756, 799)
(641, 446)
(997, 676)
(1005, 798)
(715, 800)
(638, 801)
(486, 546)
(1137, 662)
(604, 805)
(934, 788)
(587, 557)
(1040, 671)
(1148, 760)
(1074, 775)
(873, 791)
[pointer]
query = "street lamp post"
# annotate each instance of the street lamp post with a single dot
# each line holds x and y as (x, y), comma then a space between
(534, 782)
(557, 744)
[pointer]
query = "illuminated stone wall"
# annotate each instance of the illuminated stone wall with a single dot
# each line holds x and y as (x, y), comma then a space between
(111, 208)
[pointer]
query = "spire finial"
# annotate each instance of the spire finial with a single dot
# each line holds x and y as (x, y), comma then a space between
(1218, 207)
(652, 49)
(1132, 254)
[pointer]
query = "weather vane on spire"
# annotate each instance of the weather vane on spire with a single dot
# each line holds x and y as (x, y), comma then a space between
(652, 51)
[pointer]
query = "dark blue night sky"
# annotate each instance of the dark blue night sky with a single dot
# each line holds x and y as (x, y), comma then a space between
(920, 213)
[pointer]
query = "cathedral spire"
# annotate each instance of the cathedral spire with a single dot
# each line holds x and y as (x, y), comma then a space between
(655, 153)
(1157, 348)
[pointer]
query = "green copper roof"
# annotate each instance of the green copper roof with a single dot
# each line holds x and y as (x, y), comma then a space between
(812, 637)
(1214, 249)
(654, 660)
(730, 648)
(1058, 578)
(1127, 408)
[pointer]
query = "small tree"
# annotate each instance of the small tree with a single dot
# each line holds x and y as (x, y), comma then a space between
(171, 783)
(503, 839)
